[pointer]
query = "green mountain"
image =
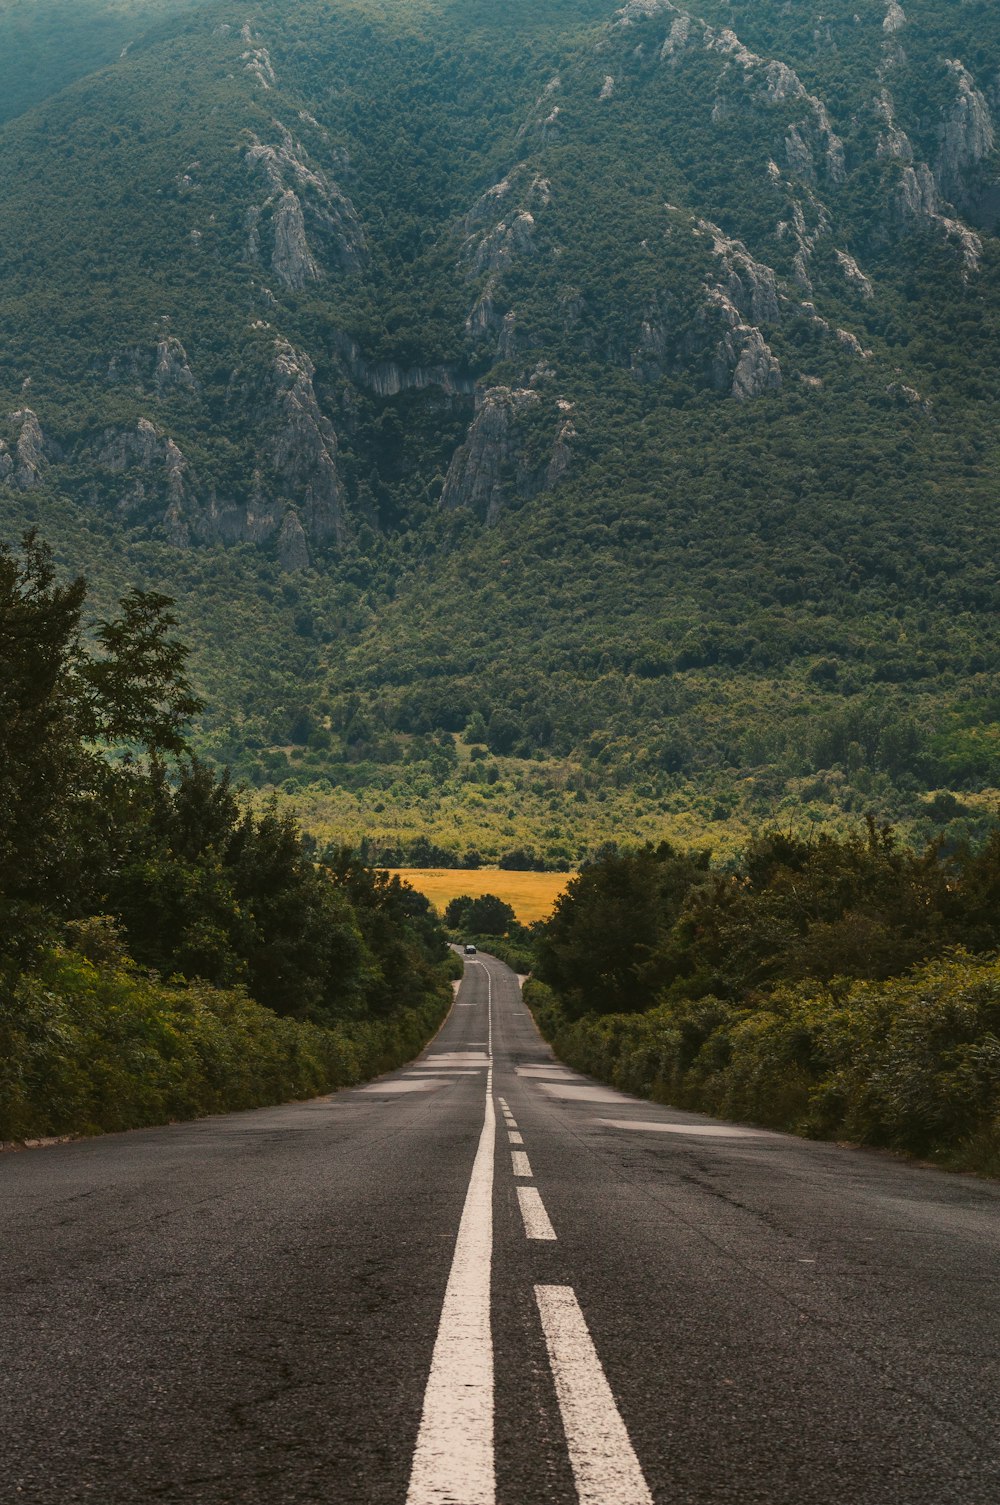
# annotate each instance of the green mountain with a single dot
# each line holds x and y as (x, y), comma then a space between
(608, 387)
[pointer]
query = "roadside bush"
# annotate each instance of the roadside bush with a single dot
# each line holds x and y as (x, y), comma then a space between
(910, 1063)
(90, 1046)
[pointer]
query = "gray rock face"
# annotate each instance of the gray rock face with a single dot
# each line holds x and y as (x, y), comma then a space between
(742, 362)
(161, 368)
(302, 447)
(256, 59)
(29, 451)
(487, 471)
(750, 285)
(172, 372)
(388, 379)
(775, 83)
(302, 202)
(855, 276)
(159, 478)
(493, 468)
(757, 371)
(291, 258)
(501, 229)
(967, 137)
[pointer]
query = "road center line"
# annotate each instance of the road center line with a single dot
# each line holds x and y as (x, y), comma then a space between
(514, 1138)
(519, 1161)
(604, 1464)
(453, 1462)
(536, 1219)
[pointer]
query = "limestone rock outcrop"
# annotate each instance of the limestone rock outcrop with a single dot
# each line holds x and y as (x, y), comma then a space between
(299, 443)
(306, 225)
(968, 136)
(500, 462)
(31, 452)
(161, 368)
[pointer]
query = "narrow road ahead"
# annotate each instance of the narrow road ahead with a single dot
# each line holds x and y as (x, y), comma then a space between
(485, 1279)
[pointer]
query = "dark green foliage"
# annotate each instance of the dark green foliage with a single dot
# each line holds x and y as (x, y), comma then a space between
(740, 608)
(602, 948)
(88, 1046)
(825, 986)
(189, 880)
(58, 795)
(485, 915)
(911, 1063)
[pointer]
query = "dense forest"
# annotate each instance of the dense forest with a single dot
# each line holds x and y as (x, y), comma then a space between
(549, 421)
(166, 948)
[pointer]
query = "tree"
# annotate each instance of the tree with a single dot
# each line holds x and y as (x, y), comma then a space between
(64, 707)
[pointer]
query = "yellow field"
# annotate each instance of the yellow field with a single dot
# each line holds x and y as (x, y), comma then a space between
(530, 895)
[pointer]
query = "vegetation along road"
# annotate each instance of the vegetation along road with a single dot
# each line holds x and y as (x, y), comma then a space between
(483, 1278)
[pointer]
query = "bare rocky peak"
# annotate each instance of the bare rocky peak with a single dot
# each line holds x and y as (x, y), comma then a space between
(757, 370)
(914, 196)
(500, 228)
(544, 117)
(291, 258)
(302, 444)
(172, 371)
(742, 362)
(162, 367)
(852, 344)
(895, 18)
(750, 285)
(893, 143)
(677, 39)
(608, 86)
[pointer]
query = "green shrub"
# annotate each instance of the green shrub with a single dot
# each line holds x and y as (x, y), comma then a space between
(97, 1045)
(911, 1064)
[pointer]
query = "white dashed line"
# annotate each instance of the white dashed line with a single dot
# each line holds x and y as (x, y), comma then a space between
(513, 1138)
(536, 1219)
(453, 1462)
(604, 1464)
(519, 1161)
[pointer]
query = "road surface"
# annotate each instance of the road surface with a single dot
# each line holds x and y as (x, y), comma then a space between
(488, 1281)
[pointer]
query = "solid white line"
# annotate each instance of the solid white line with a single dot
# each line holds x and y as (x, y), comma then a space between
(513, 1138)
(519, 1160)
(604, 1464)
(453, 1462)
(536, 1219)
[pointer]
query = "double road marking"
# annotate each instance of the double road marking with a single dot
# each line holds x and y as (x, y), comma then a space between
(454, 1461)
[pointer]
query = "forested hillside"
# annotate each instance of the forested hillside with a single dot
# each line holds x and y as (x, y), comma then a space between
(554, 422)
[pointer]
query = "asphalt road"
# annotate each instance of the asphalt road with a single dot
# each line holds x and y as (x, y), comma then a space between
(368, 1298)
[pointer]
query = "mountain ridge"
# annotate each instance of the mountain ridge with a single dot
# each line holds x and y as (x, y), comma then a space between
(677, 320)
